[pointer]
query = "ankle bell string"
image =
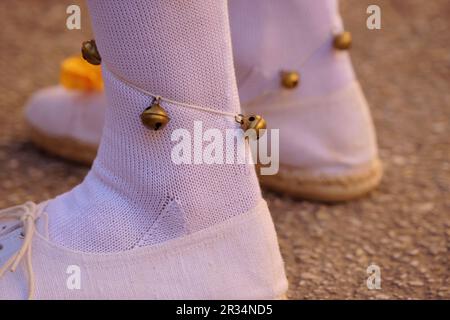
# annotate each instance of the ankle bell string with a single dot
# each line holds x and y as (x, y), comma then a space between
(155, 117)
(170, 101)
(290, 79)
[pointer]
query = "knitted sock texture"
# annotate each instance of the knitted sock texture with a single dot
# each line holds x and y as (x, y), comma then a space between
(270, 36)
(135, 195)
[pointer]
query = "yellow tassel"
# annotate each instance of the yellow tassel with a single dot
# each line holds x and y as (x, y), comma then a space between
(78, 74)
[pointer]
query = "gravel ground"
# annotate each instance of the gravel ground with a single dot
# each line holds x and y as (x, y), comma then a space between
(403, 227)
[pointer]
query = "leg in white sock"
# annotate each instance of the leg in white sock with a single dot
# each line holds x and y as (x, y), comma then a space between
(269, 36)
(327, 141)
(135, 195)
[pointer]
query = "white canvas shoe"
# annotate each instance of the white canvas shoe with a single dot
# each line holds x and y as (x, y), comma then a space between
(67, 120)
(327, 146)
(236, 259)
(66, 123)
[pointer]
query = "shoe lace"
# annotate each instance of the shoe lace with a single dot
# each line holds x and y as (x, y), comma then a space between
(26, 215)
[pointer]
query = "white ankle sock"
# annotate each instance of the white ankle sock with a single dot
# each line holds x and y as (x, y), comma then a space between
(134, 194)
(270, 36)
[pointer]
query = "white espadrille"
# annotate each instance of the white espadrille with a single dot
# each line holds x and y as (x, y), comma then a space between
(66, 122)
(334, 159)
(236, 259)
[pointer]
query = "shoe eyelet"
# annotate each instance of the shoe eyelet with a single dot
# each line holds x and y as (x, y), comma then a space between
(22, 235)
(1, 246)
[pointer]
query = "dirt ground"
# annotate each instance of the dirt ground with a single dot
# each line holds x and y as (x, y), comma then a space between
(403, 227)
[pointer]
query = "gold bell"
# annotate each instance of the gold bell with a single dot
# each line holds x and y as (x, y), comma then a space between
(343, 40)
(290, 79)
(155, 117)
(90, 52)
(255, 122)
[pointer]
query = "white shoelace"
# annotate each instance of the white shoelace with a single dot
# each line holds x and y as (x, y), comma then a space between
(26, 215)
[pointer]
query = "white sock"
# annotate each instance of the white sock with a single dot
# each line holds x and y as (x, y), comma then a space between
(134, 194)
(270, 36)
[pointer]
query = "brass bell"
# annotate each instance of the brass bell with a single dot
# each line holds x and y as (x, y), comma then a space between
(290, 79)
(90, 52)
(255, 122)
(155, 117)
(343, 40)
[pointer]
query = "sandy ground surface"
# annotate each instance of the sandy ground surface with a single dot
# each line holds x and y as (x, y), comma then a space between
(403, 227)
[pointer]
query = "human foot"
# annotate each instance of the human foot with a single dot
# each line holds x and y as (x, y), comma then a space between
(328, 148)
